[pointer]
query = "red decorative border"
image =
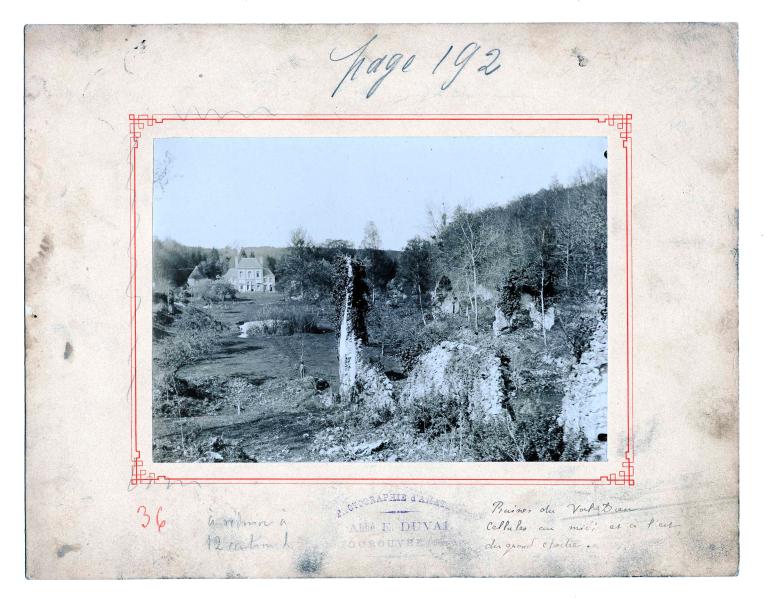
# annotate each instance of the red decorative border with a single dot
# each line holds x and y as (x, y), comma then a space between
(625, 476)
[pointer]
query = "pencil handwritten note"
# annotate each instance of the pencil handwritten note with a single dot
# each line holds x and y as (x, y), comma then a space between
(368, 64)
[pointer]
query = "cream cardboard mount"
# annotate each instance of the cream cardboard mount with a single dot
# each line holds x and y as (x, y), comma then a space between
(125, 478)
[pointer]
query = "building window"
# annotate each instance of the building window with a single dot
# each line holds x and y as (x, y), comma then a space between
(242, 287)
(242, 273)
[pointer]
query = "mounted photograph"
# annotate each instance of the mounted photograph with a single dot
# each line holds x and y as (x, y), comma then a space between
(397, 299)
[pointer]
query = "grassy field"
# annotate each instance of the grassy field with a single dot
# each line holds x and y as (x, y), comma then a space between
(263, 357)
(280, 413)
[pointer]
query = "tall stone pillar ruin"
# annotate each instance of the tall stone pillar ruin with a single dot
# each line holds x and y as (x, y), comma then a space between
(360, 382)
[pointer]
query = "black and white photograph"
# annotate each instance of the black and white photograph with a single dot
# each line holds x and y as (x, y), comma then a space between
(397, 299)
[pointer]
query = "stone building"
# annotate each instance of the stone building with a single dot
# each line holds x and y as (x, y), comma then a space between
(250, 275)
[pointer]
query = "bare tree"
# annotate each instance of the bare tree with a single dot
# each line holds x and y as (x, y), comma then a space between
(545, 262)
(371, 239)
(299, 238)
(438, 226)
(567, 226)
(476, 239)
(239, 390)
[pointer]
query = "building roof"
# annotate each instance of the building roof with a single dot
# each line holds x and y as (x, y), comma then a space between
(250, 263)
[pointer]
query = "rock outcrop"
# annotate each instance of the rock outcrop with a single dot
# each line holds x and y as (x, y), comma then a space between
(458, 372)
(533, 307)
(450, 305)
(584, 407)
(501, 324)
(546, 321)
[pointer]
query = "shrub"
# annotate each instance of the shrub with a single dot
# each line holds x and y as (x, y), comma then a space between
(192, 336)
(239, 391)
(495, 440)
(578, 324)
(401, 330)
(434, 416)
(532, 436)
(285, 319)
(269, 327)
(219, 291)
(540, 436)
(424, 338)
(576, 448)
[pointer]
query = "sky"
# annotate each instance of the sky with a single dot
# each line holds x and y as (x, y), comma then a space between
(215, 192)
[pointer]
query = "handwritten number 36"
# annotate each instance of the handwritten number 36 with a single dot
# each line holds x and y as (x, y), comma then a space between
(145, 515)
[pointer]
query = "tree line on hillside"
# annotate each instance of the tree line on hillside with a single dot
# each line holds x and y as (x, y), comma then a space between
(552, 243)
(549, 244)
(172, 262)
